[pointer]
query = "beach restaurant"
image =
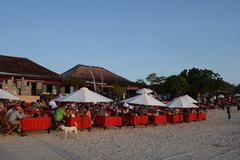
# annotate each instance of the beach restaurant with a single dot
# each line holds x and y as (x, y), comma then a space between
(142, 109)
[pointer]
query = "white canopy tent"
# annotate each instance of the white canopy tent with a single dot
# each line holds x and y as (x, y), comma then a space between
(144, 99)
(237, 95)
(59, 98)
(181, 102)
(221, 96)
(9, 96)
(84, 95)
(144, 90)
(190, 99)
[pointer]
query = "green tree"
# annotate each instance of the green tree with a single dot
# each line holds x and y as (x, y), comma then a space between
(176, 85)
(153, 79)
(118, 92)
(202, 81)
(141, 82)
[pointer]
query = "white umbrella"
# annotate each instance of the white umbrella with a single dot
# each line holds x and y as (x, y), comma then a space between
(59, 98)
(85, 96)
(144, 90)
(181, 102)
(129, 99)
(6, 95)
(144, 99)
(237, 95)
(221, 96)
(190, 99)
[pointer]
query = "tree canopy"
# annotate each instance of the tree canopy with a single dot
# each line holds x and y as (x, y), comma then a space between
(141, 82)
(176, 85)
(193, 82)
(202, 81)
(154, 79)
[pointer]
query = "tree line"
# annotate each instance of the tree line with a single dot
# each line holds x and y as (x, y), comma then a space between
(193, 82)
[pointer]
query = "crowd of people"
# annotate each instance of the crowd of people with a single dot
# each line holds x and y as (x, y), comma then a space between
(57, 111)
(221, 102)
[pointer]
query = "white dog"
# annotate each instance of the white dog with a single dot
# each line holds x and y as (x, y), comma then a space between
(69, 129)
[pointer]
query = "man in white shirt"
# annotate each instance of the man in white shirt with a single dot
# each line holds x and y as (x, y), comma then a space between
(53, 105)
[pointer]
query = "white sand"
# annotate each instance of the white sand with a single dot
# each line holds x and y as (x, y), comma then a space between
(215, 139)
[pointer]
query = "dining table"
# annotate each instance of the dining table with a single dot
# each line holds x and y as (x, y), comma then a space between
(35, 123)
(82, 122)
(175, 118)
(158, 119)
(136, 120)
(108, 121)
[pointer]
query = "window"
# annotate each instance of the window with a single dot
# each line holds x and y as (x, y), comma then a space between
(54, 89)
(71, 89)
(44, 88)
(49, 88)
(67, 89)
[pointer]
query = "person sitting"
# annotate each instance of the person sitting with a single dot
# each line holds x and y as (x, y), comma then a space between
(10, 110)
(23, 105)
(67, 112)
(141, 111)
(125, 110)
(135, 111)
(42, 105)
(36, 105)
(15, 116)
(87, 112)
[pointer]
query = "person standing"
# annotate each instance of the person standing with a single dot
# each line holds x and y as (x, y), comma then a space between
(59, 113)
(229, 110)
(53, 105)
(238, 106)
(57, 117)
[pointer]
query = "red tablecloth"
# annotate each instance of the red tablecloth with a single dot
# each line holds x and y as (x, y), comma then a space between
(38, 123)
(86, 123)
(137, 120)
(175, 118)
(108, 121)
(47, 112)
(190, 117)
(202, 116)
(161, 119)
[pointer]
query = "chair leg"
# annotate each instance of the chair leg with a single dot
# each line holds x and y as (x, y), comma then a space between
(11, 130)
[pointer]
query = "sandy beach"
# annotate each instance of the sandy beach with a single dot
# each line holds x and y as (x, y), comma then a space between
(216, 138)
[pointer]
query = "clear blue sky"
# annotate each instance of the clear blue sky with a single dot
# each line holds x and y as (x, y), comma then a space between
(129, 37)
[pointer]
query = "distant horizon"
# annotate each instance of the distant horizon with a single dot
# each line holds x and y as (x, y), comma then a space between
(130, 38)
